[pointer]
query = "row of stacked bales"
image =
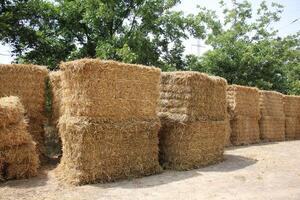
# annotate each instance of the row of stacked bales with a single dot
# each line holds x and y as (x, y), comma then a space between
(272, 122)
(18, 156)
(109, 127)
(292, 117)
(28, 83)
(243, 108)
(192, 113)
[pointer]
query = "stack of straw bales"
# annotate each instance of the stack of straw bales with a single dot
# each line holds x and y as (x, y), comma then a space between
(18, 157)
(192, 113)
(28, 83)
(272, 122)
(109, 128)
(292, 117)
(243, 107)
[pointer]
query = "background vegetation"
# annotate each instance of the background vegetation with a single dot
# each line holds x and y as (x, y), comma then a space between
(245, 50)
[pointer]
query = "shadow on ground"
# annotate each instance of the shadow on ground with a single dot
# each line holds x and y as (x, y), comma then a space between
(38, 181)
(230, 163)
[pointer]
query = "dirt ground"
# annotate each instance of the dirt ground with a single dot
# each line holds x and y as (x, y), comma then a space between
(267, 171)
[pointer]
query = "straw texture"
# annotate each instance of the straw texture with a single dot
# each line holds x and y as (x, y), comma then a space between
(272, 128)
(28, 83)
(18, 156)
(272, 122)
(192, 96)
(193, 115)
(290, 127)
(245, 130)
(292, 114)
(191, 145)
(243, 100)
(109, 127)
(244, 111)
(109, 89)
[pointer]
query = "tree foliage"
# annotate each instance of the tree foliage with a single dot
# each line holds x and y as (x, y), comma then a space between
(247, 50)
(135, 31)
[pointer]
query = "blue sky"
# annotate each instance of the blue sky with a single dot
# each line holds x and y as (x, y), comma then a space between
(291, 12)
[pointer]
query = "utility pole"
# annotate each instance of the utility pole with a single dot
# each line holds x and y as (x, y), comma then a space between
(199, 46)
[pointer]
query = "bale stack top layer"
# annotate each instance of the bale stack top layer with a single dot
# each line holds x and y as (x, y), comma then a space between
(11, 110)
(192, 96)
(291, 105)
(243, 101)
(109, 89)
(271, 103)
(27, 82)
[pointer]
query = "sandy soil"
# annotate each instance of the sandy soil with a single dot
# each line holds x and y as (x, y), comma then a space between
(268, 171)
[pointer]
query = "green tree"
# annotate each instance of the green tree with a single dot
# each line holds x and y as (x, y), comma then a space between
(135, 31)
(247, 50)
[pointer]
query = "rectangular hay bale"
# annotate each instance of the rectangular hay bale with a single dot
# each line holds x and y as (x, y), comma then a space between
(272, 129)
(109, 89)
(291, 105)
(191, 145)
(243, 101)
(271, 103)
(96, 150)
(245, 130)
(192, 96)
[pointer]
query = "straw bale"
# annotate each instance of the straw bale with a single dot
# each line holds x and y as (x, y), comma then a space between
(243, 101)
(101, 150)
(191, 145)
(245, 130)
(271, 103)
(109, 89)
(11, 110)
(20, 161)
(55, 82)
(28, 83)
(15, 134)
(192, 96)
(272, 128)
(291, 105)
(290, 127)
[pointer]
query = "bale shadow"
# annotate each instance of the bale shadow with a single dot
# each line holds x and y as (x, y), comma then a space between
(38, 181)
(230, 163)
(165, 177)
(252, 145)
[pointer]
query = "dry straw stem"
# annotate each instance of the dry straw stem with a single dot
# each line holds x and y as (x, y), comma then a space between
(192, 96)
(290, 127)
(291, 105)
(272, 128)
(271, 103)
(242, 100)
(245, 130)
(97, 150)
(55, 82)
(20, 161)
(11, 111)
(109, 89)
(191, 145)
